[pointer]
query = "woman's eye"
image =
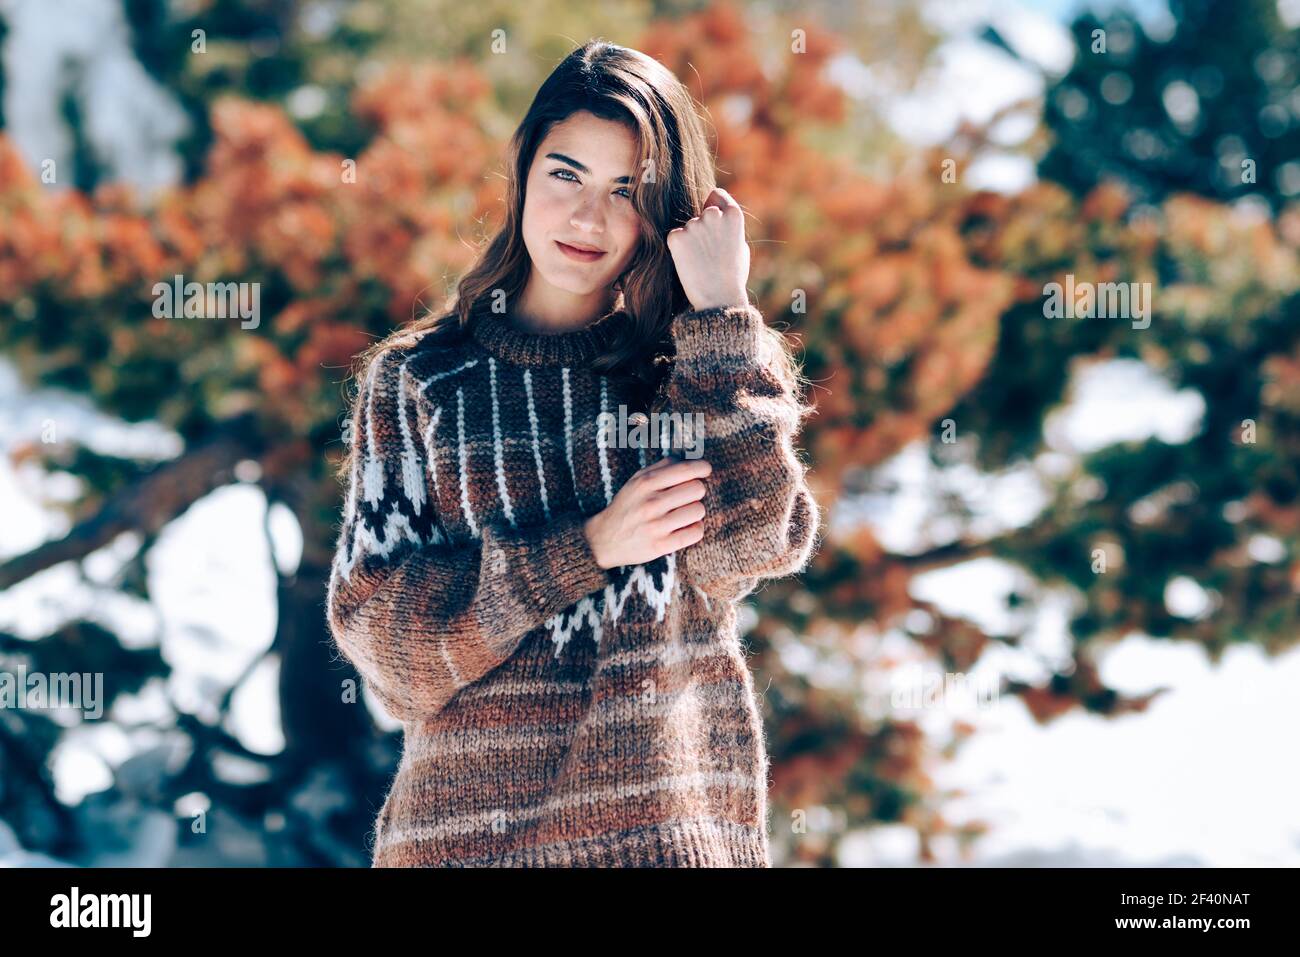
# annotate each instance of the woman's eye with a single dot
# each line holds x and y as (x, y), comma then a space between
(562, 173)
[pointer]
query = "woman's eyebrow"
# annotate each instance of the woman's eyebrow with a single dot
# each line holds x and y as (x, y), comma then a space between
(622, 180)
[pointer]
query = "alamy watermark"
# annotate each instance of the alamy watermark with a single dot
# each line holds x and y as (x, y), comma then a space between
(58, 689)
(682, 432)
(918, 688)
(75, 909)
(1105, 300)
(215, 300)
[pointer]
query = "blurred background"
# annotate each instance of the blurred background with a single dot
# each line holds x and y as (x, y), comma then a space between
(1054, 617)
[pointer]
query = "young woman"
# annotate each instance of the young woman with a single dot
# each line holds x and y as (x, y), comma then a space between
(544, 593)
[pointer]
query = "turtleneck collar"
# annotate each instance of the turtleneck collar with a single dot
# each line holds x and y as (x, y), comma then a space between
(496, 333)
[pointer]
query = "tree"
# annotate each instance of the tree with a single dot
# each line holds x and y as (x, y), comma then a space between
(1208, 109)
(918, 307)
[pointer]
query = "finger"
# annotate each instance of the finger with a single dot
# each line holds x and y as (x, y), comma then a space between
(677, 472)
(692, 513)
(672, 458)
(684, 537)
(724, 199)
(684, 493)
(658, 464)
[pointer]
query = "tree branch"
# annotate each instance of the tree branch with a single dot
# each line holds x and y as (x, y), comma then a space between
(149, 503)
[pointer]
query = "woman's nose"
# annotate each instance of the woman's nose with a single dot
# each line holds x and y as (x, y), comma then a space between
(587, 216)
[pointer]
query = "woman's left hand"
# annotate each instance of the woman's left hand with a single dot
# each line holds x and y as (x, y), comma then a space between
(711, 255)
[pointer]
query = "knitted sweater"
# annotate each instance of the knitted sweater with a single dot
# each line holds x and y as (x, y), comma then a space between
(556, 713)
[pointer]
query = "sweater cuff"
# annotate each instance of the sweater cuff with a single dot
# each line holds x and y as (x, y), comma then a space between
(722, 332)
(562, 568)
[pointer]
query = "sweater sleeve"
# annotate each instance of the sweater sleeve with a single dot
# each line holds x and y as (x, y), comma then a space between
(761, 518)
(419, 617)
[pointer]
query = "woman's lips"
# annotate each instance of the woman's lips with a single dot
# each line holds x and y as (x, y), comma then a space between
(582, 255)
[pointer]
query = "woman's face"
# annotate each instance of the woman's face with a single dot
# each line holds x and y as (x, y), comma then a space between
(578, 195)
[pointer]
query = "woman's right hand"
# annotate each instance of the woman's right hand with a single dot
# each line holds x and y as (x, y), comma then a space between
(656, 512)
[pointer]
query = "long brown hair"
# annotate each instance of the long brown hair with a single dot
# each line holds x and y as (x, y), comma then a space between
(677, 174)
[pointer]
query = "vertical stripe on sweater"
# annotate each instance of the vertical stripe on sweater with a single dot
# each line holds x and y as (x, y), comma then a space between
(601, 436)
(412, 476)
(430, 449)
(537, 448)
(464, 463)
(372, 480)
(568, 434)
(498, 458)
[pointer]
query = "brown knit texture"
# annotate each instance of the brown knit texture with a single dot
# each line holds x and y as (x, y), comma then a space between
(556, 713)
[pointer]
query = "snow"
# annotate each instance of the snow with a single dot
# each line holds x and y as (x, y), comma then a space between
(1203, 778)
(131, 122)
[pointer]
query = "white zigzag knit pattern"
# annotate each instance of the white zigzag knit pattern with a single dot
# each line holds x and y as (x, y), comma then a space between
(591, 612)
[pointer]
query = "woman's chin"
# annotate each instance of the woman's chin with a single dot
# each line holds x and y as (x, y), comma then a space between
(579, 285)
